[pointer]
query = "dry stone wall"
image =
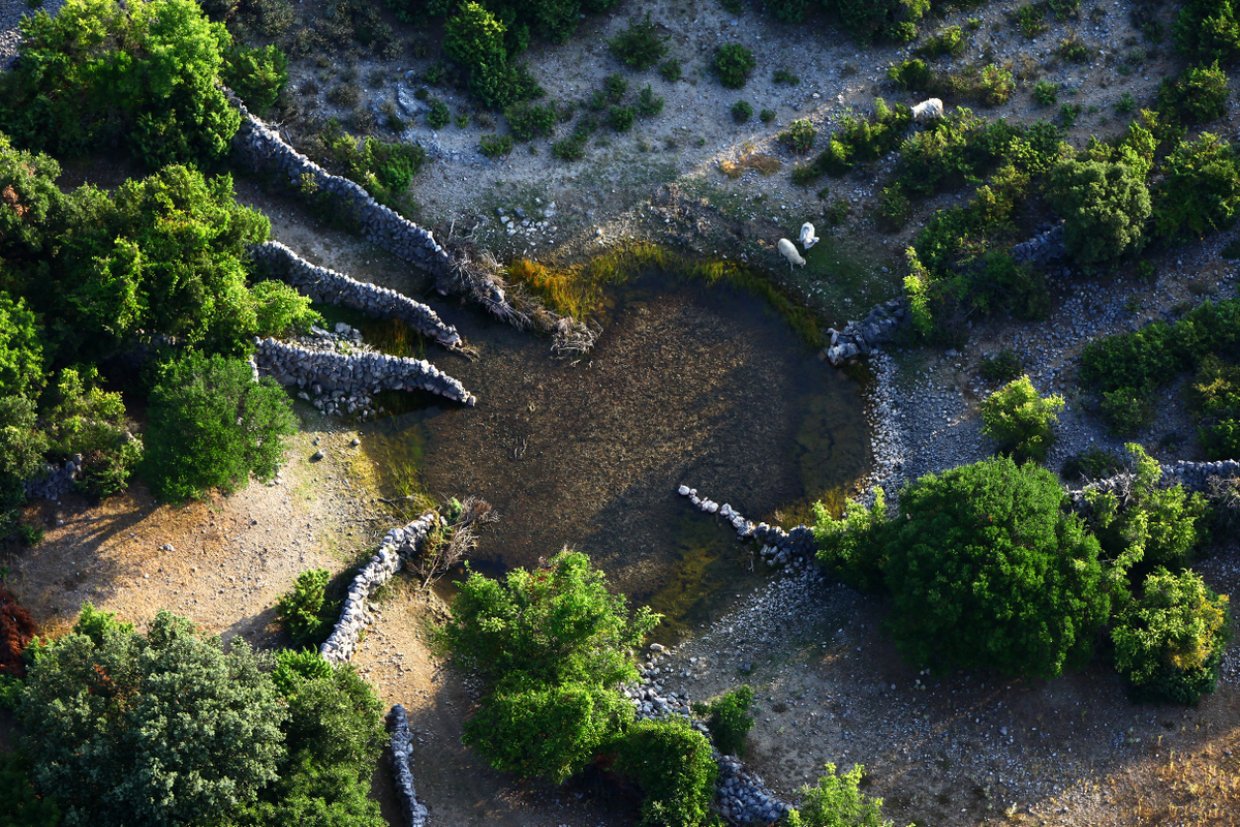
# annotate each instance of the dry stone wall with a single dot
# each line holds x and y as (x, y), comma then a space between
(366, 373)
(402, 754)
(330, 287)
(779, 547)
(398, 544)
(859, 338)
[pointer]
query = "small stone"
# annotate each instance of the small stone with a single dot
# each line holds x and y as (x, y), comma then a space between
(316, 456)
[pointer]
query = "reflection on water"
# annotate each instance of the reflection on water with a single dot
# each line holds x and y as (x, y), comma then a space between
(689, 383)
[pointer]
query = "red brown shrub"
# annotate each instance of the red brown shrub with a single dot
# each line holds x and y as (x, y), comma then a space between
(16, 630)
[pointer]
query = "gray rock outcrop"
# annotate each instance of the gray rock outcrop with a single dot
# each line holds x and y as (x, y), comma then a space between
(402, 754)
(398, 544)
(363, 372)
(330, 287)
(880, 325)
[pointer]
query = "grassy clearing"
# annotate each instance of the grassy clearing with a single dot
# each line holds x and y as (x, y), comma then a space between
(579, 290)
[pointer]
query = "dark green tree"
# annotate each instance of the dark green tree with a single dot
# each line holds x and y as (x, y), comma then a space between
(1104, 205)
(21, 349)
(1197, 96)
(82, 418)
(21, 455)
(1200, 190)
(986, 568)
(212, 426)
(141, 73)
(154, 729)
(304, 611)
(672, 764)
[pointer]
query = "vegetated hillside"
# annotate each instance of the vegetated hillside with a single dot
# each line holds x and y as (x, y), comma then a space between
(1081, 152)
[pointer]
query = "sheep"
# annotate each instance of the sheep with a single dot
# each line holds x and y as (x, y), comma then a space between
(808, 239)
(928, 110)
(789, 251)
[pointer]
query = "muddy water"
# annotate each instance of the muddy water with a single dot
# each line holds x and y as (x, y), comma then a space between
(689, 383)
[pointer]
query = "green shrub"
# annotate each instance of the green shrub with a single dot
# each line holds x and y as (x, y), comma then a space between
(439, 115)
(640, 46)
(495, 146)
(1104, 205)
(1126, 410)
(851, 546)
(1200, 189)
(785, 78)
(766, 115)
(671, 70)
(385, 169)
(996, 85)
(1197, 96)
(949, 41)
(671, 763)
(986, 568)
(528, 121)
(1019, 420)
(741, 111)
(256, 75)
(620, 118)
(1169, 642)
(912, 74)
(1046, 92)
(84, 419)
(21, 349)
(880, 19)
(551, 646)
(1162, 525)
(785, 11)
(1030, 20)
(648, 103)
(144, 729)
(799, 137)
(1073, 50)
(304, 612)
(22, 445)
(728, 719)
(1216, 392)
(894, 208)
(143, 74)
(212, 426)
(282, 311)
(917, 291)
(474, 38)
(572, 148)
(1208, 31)
(615, 87)
(1003, 366)
(837, 801)
(733, 64)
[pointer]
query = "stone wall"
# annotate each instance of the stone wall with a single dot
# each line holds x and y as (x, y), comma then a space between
(55, 480)
(402, 753)
(858, 338)
(397, 545)
(779, 547)
(330, 287)
(292, 364)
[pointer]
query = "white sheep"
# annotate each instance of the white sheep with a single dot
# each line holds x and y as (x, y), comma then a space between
(789, 251)
(928, 110)
(808, 238)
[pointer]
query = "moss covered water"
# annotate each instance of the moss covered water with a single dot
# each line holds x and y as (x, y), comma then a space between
(691, 383)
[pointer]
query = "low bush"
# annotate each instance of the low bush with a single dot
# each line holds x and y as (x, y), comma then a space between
(529, 121)
(671, 70)
(671, 763)
(741, 111)
(1003, 366)
(495, 146)
(640, 46)
(1046, 93)
(1200, 189)
(1021, 421)
(996, 85)
(304, 611)
(951, 41)
(281, 311)
(572, 148)
(913, 75)
(799, 137)
(620, 118)
(1216, 394)
(894, 208)
(648, 103)
(385, 169)
(84, 419)
(728, 719)
(733, 64)
(1169, 641)
(438, 115)
(837, 801)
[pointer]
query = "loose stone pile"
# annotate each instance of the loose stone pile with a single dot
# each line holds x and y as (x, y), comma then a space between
(55, 480)
(742, 796)
(790, 548)
(859, 338)
(347, 373)
(331, 287)
(402, 753)
(398, 544)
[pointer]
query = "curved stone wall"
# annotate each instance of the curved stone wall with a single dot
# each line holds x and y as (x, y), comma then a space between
(398, 544)
(330, 287)
(363, 372)
(794, 547)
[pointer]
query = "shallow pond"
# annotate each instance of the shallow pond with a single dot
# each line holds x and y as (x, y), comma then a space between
(689, 383)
